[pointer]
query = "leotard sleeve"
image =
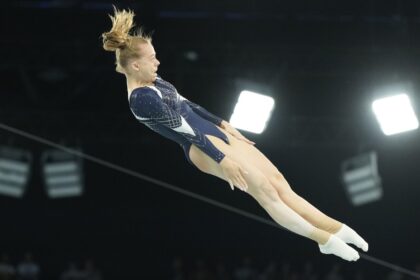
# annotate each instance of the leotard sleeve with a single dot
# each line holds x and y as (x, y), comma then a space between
(149, 107)
(204, 113)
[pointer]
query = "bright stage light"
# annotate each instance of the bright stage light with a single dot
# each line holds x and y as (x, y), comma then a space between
(252, 111)
(395, 114)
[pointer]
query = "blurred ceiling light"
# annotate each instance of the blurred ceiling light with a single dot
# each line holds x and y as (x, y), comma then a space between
(63, 174)
(252, 111)
(361, 179)
(191, 56)
(14, 171)
(395, 114)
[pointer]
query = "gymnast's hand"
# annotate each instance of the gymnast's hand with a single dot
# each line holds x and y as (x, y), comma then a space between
(234, 132)
(234, 173)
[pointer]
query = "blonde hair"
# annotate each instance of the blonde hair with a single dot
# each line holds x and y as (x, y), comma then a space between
(120, 40)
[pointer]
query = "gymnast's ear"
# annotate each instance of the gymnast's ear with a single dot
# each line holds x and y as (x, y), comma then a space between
(135, 64)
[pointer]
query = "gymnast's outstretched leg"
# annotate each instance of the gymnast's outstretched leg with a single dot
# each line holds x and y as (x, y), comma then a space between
(296, 202)
(261, 189)
(315, 216)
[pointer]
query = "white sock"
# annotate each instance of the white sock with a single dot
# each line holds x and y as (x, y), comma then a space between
(348, 235)
(337, 247)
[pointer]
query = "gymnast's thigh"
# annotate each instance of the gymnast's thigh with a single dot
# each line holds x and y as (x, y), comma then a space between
(254, 155)
(207, 165)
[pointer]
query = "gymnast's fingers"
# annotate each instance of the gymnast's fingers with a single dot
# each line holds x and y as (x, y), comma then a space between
(250, 142)
(243, 183)
(247, 140)
(231, 184)
(243, 175)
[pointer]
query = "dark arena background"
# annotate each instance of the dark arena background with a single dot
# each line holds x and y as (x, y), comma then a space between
(323, 63)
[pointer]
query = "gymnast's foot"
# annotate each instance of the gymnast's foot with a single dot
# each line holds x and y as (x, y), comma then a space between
(337, 247)
(348, 235)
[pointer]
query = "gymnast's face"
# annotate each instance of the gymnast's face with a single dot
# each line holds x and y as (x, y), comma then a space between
(147, 65)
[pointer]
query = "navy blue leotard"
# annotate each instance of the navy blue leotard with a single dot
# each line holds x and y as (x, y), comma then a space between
(164, 110)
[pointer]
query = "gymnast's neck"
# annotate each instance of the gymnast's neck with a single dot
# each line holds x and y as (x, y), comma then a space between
(133, 83)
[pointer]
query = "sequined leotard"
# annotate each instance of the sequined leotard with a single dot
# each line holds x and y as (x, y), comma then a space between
(164, 110)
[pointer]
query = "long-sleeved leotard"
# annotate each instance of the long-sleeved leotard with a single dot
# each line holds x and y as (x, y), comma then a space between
(164, 110)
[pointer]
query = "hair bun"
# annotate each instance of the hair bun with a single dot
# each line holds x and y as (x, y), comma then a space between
(118, 37)
(113, 41)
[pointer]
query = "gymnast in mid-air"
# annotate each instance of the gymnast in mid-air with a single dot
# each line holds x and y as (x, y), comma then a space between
(213, 146)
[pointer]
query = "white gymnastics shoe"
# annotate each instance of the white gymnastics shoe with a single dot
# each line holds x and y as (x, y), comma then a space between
(348, 235)
(337, 247)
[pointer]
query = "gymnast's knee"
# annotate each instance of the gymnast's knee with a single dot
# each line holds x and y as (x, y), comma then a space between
(264, 191)
(280, 184)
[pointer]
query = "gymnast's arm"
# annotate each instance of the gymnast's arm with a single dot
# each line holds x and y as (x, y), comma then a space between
(204, 113)
(149, 106)
(216, 120)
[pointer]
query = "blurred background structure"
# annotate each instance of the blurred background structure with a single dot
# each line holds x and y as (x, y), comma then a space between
(322, 62)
